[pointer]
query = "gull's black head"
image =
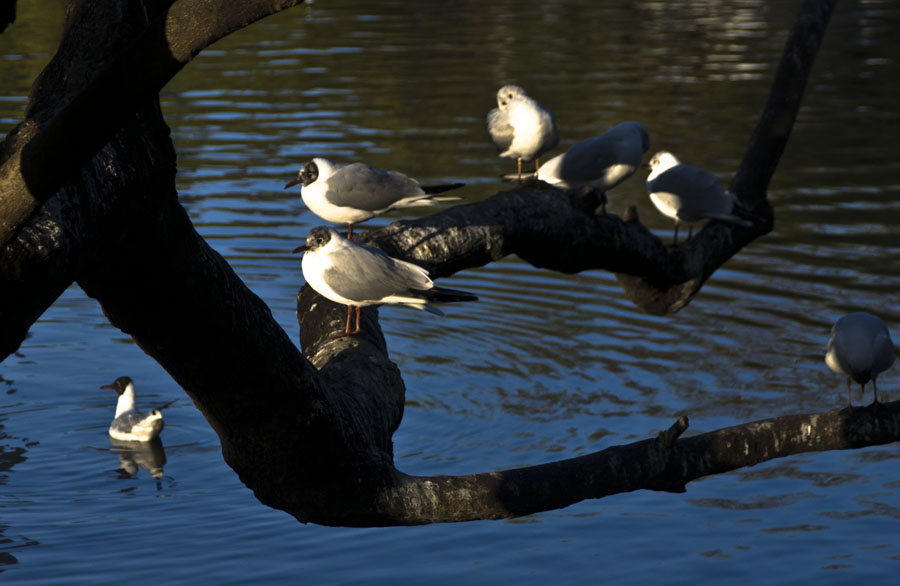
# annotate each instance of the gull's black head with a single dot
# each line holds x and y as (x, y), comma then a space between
(309, 173)
(119, 385)
(318, 237)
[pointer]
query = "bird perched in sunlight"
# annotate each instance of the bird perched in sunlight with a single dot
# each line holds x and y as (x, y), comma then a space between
(688, 194)
(861, 348)
(521, 127)
(358, 275)
(357, 192)
(601, 161)
(129, 424)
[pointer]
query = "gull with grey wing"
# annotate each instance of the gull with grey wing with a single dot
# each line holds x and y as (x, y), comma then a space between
(861, 348)
(358, 275)
(357, 192)
(600, 161)
(689, 194)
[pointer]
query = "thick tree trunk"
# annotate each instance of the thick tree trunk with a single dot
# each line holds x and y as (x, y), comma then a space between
(311, 433)
(73, 112)
(115, 57)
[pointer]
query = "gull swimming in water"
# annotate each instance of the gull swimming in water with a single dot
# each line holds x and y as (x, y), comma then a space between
(861, 348)
(688, 194)
(521, 127)
(357, 192)
(129, 424)
(358, 275)
(600, 161)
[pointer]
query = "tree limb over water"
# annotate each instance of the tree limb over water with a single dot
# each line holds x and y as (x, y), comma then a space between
(311, 433)
(665, 463)
(154, 41)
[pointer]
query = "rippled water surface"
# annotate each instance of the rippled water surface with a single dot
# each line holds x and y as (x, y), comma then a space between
(545, 365)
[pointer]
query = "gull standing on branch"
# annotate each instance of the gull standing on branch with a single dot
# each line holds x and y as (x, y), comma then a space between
(357, 192)
(358, 275)
(601, 161)
(860, 347)
(129, 424)
(689, 194)
(521, 127)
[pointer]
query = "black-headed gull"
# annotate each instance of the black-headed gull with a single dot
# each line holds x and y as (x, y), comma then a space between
(600, 161)
(521, 127)
(860, 347)
(689, 194)
(358, 275)
(129, 424)
(357, 192)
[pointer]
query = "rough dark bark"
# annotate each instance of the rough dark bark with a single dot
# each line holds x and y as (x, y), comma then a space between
(663, 463)
(719, 241)
(112, 120)
(305, 435)
(45, 256)
(68, 131)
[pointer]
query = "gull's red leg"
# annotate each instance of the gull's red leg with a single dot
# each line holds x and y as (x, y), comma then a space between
(356, 331)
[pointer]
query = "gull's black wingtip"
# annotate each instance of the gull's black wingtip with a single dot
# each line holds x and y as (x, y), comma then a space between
(434, 189)
(444, 295)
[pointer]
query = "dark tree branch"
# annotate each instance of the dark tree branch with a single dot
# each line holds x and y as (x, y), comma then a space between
(565, 234)
(555, 231)
(777, 119)
(62, 144)
(311, 433)
(756, 170)
(663, 463)
(72, 112)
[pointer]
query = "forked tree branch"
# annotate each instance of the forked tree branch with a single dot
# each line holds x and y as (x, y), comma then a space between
(311, 434)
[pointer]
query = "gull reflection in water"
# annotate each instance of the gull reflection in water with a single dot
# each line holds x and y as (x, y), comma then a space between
(134, 455)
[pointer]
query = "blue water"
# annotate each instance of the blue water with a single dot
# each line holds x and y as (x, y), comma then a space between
(545, 366)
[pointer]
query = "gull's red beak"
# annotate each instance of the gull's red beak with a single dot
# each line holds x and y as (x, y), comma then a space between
(292, 183)
(303, 248)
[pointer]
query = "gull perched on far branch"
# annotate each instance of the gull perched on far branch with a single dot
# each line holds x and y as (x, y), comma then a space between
(358, 275)
(601, 161)
(521, 127)
(357, 192)
(860, 347)
(689, 194)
